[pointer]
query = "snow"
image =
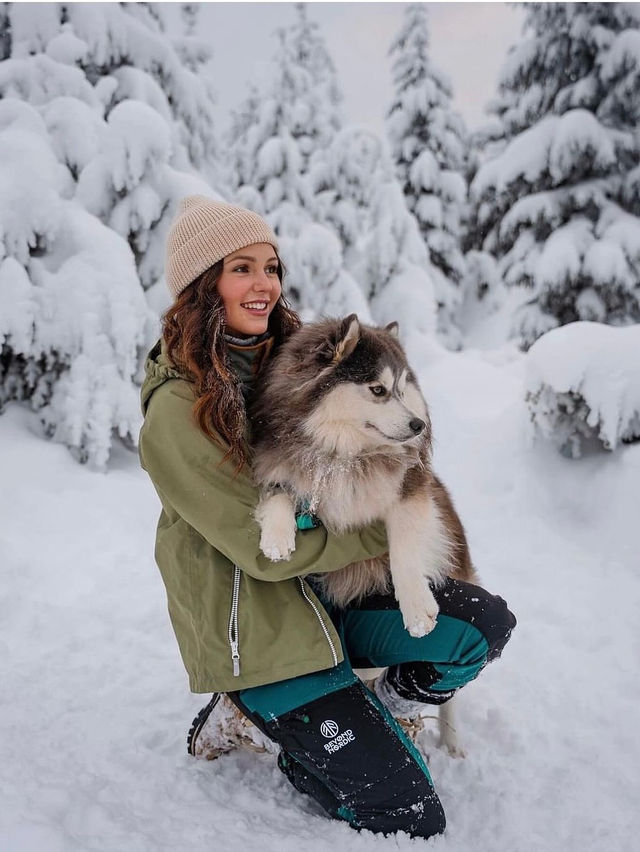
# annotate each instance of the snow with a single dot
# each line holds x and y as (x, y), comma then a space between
(583, 381)
(67, 47)
(30, 180)
(139, 142)
(623, 55)
(553, 145)
(75, 130)
(315, 264)
(560, 257)
(95, 708)
(579, 134)
(19, 308)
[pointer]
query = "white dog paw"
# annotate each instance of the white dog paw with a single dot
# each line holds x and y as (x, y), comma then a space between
(276, 517)
(278, 545)
(420, 613)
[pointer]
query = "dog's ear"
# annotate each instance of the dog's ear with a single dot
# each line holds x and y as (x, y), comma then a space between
(393, 328)
(338, 342)
(347, 338)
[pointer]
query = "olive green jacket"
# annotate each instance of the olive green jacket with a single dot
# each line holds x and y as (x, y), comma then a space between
(240, 619)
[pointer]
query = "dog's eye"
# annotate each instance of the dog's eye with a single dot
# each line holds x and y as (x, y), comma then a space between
(378, 390)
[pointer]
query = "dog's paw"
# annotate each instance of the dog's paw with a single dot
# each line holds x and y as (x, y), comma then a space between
(420, 627)
(278, 544)
(420, 613)
(277, 527)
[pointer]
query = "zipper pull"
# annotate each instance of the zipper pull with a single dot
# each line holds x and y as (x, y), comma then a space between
(235, 659)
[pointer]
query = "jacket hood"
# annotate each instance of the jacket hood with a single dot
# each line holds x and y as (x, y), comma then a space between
(158, 370)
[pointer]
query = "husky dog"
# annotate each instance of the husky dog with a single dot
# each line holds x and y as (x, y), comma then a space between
(340, 425)
(339, 421)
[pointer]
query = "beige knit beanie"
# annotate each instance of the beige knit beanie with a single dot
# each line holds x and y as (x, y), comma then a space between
(203, 232)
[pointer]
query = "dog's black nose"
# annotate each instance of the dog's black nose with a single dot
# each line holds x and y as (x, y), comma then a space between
(416, 425)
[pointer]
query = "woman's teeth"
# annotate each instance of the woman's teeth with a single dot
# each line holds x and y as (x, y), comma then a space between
(255, 306)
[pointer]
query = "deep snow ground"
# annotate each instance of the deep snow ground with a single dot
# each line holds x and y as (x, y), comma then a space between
(94, 706)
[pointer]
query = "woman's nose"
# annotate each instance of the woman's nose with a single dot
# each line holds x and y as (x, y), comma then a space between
(262, 281)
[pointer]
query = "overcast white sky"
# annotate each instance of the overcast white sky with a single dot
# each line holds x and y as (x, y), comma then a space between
(469, 42)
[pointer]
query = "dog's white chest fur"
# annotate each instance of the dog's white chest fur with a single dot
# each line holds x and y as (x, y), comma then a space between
(352, 492)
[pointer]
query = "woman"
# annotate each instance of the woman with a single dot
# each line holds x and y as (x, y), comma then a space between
(254, 629)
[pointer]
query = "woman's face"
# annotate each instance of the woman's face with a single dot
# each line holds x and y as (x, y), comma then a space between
(249, 287)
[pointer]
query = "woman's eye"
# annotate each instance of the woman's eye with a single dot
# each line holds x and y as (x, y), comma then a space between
(272, 270)
(242, 268)
(378, 390)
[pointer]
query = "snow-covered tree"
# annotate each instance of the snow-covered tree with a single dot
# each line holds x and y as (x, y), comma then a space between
(340, 180)
(277, 130)
(101, 130)
(73, 317)
(360, 198)
(316, 264)
(274, 137)
(309, 82)
(428, 142)
(558, 204)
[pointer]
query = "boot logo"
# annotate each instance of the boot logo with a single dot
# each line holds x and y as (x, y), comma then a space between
(329, 729)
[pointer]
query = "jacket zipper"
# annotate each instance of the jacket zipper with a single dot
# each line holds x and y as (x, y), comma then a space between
(322, 624)
(234, 639)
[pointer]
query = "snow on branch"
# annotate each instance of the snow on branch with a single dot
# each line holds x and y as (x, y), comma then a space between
(583, 386)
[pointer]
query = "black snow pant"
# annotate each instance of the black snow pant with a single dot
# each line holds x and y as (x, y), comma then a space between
(339, 743)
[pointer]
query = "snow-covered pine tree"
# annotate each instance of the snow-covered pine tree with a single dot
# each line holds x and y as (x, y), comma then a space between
(91, 143)
(428, 142)
(359, 197)
(340, 183)
(558, 204)
(316, 114)
(280, 126)
(73, 317)
(274, 137)
(241, 151)
(159, 116)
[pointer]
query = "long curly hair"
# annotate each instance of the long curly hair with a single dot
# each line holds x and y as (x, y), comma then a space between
(193, 332)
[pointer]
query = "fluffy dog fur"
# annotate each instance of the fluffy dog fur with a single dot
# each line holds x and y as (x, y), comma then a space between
(339, 420)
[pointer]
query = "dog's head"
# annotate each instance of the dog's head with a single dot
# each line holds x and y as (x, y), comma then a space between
(352, 390)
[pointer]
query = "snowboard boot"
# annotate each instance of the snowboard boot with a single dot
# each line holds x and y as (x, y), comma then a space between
(220, 728)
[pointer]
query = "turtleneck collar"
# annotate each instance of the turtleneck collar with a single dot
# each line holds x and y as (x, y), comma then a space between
(247, 357)
(247, 341)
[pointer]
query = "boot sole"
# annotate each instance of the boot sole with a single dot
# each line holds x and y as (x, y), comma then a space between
(199, 722)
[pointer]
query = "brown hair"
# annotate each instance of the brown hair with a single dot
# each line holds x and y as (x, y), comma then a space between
(193, 333)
